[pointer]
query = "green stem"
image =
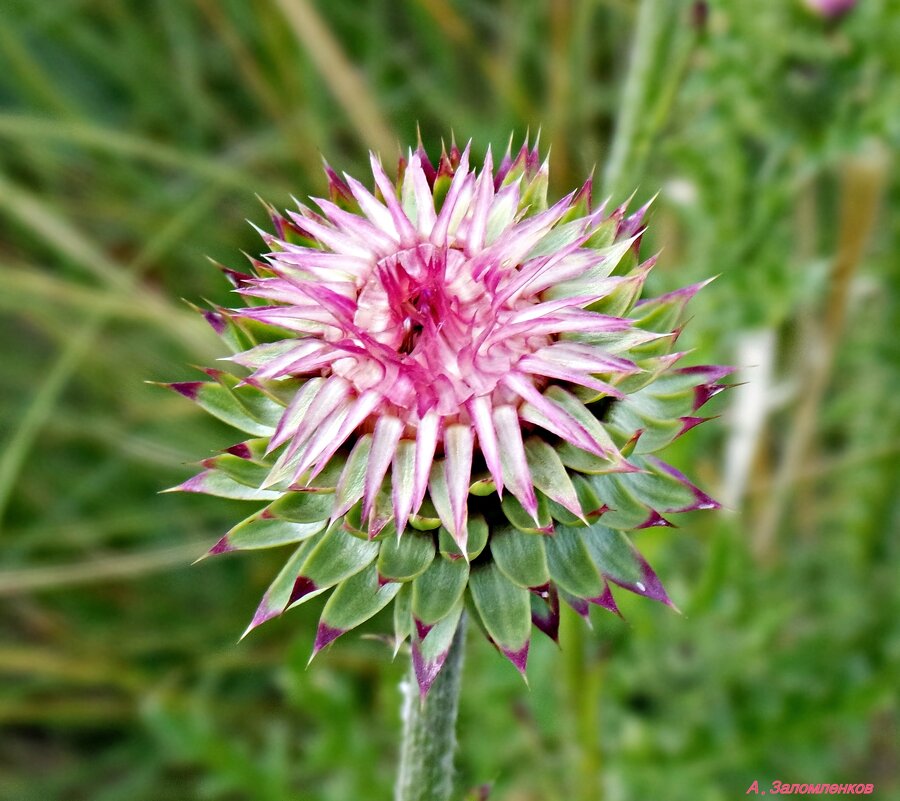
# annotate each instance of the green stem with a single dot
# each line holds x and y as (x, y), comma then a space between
(661, 48)
(635, 93)
(582, 679)
(429, 730)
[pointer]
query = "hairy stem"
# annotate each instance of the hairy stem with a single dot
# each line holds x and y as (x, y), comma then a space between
(429, 730)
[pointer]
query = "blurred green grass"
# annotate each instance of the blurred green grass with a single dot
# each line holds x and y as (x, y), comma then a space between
(134, 138)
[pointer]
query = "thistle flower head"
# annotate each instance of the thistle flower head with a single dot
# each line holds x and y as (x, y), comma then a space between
(830, 8)
(453, 392)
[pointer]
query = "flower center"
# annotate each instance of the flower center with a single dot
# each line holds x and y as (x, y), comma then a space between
(411, 332)
(442, 335)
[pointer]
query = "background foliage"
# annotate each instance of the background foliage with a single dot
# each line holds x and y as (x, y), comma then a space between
(133, 136)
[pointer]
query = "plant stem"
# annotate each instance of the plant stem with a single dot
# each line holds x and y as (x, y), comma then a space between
(661, 48)
(345, 81)
(638, 86)
(582, 678)
(429, 730)
(862, 187)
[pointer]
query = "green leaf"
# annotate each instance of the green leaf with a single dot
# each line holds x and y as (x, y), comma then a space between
(261, 405)
(251, 450)
(584, 462)
(353, 521)
(214, 482)
(619, 343)
(352, 482)
(625, 508)
(439, 192)
(426, 519)
(664, 313)
(619, 302)
(403, 475)
(382, 508)
(570, 565)
(588, 499)
(534, 195)
(656, 434)
(440, 494)
(504, 608)
(604, 235)
(612, 553)
(337, 556)
(652, 368)
(221, 403)
(303, 507)
(614, 556)
(656, 410)
(404, 558)
(437, 590)
(516, 514)
(657, 348)
(279, 593)
(353, 602)
(576, 409)
(380, 524)
(327, 480)
(430, 651)
(232, 334)
(658, 489)
(477, 539)
(403, 621)
(549, 474)
(521, 557)
(482, 485)
(258, 531)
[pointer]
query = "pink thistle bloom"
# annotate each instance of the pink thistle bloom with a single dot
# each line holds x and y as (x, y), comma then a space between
(830, 8)
(435, 372)
(435, 331)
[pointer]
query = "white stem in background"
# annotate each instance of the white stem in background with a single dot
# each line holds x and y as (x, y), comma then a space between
(749, 410)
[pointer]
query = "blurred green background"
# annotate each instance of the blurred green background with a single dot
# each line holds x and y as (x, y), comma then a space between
(134, 135)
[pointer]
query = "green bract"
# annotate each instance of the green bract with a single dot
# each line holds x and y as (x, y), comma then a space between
(452, 394)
